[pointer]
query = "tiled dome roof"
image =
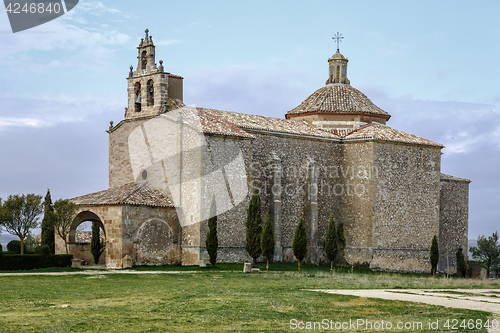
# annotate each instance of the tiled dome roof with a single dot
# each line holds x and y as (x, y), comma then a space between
(338, 98)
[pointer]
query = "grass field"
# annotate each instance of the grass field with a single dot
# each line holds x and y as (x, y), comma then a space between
(219, 299)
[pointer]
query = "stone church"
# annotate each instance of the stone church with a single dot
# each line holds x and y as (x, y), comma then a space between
(331, 155)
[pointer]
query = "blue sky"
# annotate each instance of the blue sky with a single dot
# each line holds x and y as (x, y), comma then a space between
(432, 65)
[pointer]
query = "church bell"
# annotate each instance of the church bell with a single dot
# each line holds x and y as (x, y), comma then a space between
(138, 100)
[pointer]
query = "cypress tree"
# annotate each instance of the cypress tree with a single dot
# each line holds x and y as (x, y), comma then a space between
(48, 233)
(434, 255)
(267, 241)
(461, 265)
(212, 242)
(330, 243)
(299, 244)
(97, 246)
(254, 226)
(340, 239)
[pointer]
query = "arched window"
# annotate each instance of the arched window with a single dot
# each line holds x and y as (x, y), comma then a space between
(331, 73)
(337, 78)
(144, 60)
(151, 93)
(137, 97)
(344, 74)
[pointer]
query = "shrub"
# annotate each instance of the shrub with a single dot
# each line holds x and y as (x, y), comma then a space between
(330, 243)
(299, 243)
(267, 241)
(212, 241)
(14, 246)
(254, 226)
(434, 257)
(43, 250)
(461, 265)
(21, 262)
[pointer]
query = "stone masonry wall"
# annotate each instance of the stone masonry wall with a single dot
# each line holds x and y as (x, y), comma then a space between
(110, 218)
(120, 170)
(406, 205)
(151, 235)
(357, 201)
(226, 170)
(453, 222)
(296, 156)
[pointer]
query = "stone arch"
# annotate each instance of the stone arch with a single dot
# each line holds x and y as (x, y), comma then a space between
(151, 93)
(74, 248)
(144, 60)
(137, 98)
(155, 243)
(81, 217)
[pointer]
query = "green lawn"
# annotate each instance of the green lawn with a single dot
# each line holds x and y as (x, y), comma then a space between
(213, 300)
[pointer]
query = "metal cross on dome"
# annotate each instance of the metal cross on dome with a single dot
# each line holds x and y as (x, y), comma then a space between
(338, 38)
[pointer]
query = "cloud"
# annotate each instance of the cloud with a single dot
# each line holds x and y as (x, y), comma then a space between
(269, 90)
(461, 127)
(167, 42)
(20, 122)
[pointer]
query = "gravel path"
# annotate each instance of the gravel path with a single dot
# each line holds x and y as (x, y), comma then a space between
(474, 299)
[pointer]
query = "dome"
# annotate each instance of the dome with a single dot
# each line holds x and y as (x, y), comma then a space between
(338, 99)
(338, 55)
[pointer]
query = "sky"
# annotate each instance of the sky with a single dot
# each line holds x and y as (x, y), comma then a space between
(432, 65)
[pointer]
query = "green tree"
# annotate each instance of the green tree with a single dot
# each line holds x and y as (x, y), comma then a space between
(330, 245)
(254, 226)
(488, 251)
(20, 214)
(97, 245)
(212, 241)
(461, 264)
(434, 258)
(64, 213)
(299, 243)
(48, 232)
(267, 240)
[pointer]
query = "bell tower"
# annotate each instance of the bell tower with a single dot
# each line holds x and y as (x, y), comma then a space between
(337, 65)
(149, 87)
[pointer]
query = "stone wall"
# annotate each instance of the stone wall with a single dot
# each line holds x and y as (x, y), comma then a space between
(453, 221)
(357, 200)
(120, 169)
(309, 173)
(226, 171)
(109, 217)
(406, 205)
(151, 235)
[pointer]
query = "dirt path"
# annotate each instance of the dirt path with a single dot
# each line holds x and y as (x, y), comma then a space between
(473, 299)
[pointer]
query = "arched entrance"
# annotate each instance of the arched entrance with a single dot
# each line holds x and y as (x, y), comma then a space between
(80, 247)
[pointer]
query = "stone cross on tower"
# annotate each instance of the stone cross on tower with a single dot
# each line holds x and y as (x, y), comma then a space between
(338, 38)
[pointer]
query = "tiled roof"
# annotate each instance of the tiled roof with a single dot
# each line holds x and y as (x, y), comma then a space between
(338, 98)
(213, 123)
(255, 122)
(130, 194)
(175, 76)
(452, 178)
(376, 131)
